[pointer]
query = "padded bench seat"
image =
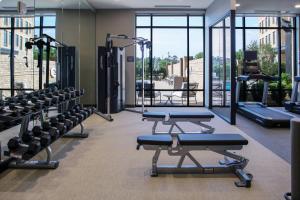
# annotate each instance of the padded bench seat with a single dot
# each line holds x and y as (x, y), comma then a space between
(161, 140)
(154, 114)
(191, 115)
(211, 139)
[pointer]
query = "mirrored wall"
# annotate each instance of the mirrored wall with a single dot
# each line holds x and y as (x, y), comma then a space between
(53, 31)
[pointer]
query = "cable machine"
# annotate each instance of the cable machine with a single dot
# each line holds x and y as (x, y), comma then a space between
(143, 43)
(41, 42)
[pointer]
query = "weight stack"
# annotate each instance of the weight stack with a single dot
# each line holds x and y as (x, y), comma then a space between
(295, 161)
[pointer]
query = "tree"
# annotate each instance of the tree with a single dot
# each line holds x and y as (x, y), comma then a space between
(199, 55)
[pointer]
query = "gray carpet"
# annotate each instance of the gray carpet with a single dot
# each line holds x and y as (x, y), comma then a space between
(276, 139)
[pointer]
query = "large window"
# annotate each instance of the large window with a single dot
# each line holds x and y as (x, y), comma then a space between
(19, 72)
(273, 39)
(174, 74)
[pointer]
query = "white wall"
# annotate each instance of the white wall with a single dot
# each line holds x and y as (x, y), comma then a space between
(119, 22)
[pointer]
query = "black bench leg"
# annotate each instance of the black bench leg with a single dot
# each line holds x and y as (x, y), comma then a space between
(154, 172)
(245, 179)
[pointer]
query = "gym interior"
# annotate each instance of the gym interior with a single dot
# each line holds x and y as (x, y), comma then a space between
(185, 99)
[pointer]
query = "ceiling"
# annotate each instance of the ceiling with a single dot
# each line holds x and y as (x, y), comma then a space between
(194, 4)
(247, 6)
(268, 6)
(109, 4)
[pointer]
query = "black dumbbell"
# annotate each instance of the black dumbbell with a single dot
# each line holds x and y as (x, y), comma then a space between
(78, 115)
(55, 99)
(73, 118)
(44, 98)
(61, 97)
(46, 103)
(44, 137)
(60, 126)
(69, 123)
(29, 137)
(87, 109)
(71, 92)
(16, 143)
(53, 131)
(78, 111)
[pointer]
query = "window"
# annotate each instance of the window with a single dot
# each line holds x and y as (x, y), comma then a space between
(5, 38)
(21, 24)
(26, 30)
(10, 39)
(261, 35)
(174, 58)
(17, 40)
(17, 22)
(21, 42)
(5, 21)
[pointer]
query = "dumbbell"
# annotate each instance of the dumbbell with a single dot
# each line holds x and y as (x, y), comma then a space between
(53, 131)
(30, 136)
(84, 113)
(45, 137)
(71, 92)
(80, 109)
(60, 126)
(66, 94)
(35, 100)
(87, 109)
(73, 118)
(61, 97)
(19, 109)
(54, 99)
(39, 131)
(16, 143)
(62, 119)
(45, 97)
(79, 92)
(78, 115)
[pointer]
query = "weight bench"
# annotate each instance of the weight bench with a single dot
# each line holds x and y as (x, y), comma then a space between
(218, 143)
(173, 118)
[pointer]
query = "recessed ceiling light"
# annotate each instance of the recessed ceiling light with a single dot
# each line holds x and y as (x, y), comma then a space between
(237, 5)
(297, 6)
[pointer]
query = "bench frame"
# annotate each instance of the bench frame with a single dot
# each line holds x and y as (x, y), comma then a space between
(173, 122)
(232, 163)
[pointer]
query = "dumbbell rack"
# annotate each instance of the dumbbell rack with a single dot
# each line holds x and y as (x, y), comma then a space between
(81, 134)
(18, 161)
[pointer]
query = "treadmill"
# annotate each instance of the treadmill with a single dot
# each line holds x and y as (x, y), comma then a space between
(294, 104)
(258, 111)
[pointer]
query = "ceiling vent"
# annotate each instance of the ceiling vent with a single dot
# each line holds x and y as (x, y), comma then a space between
(172, 6)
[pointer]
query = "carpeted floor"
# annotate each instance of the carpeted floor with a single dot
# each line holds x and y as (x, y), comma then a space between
(107, 166)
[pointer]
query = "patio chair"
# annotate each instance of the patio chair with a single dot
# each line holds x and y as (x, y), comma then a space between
(147, 92)
(184, 94)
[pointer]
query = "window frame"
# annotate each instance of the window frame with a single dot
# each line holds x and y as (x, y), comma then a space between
(188, 28)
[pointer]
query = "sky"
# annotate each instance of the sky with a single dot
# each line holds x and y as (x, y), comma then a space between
(173, 41)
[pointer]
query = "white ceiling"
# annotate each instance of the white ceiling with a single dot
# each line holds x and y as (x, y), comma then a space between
(107, 4)
(194, 4)
(268, 6)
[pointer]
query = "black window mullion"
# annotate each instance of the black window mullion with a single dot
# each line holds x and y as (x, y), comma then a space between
(12, 56)
(150, 60)
(40, 57)
(203, 47)
(188, 60)
(279, 61)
